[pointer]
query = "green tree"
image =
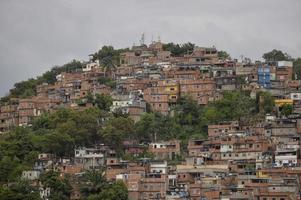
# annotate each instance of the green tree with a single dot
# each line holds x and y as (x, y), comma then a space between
(187, 111)
(115, 191)
(103, 102)
(58, 143)
(94, 186)
(7, 166)
(24, 89)
(211, 115)
(297, 68)
(20, 190)
(223, 55)
(179, 50)
(287, 109)
(60, 187)
(108, 57)
(265, 102)
(154, 126)
(92, 183)
(276, 55)
(116, 130)
(235, 105)
(107, 81)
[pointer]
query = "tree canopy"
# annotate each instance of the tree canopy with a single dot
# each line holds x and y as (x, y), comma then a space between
(297, 68)
(95, 187)
(223, 55)
(276, 55)
(179, 49)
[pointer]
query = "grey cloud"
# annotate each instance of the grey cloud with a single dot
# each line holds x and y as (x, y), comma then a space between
(38, 34)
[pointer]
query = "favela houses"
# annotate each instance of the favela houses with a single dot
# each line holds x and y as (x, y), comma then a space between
(161, 119)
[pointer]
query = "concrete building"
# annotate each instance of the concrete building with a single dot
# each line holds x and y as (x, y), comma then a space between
(89, 158)
(165, 150)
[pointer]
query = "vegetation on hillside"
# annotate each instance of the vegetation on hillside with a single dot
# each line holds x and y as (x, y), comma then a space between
(107, 55)
(60, 132)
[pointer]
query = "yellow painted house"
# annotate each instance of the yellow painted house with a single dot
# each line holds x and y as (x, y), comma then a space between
(281, 102)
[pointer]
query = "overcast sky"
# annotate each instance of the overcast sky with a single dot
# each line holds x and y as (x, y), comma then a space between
(36, 35)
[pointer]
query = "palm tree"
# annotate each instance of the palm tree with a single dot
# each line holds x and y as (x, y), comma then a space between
(93, 182)
(107, 64)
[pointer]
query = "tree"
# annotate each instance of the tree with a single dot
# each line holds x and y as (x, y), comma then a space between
(94, 186)
(235, 105)
(276, 55)
(7, 166)
(20, 190)
(92, 183)
(155, 126)
(287, 109)
(103, 102)
(116, 130)
(115, 191)
(211, 115)
(60, 187)
(187, 111)
(297, 68)
(265, 102)
(223, 55)
(24, 89)
(179, 50)
(107, 81)
(64, 129)
(58, 143)
(146, 127)
(108, 57)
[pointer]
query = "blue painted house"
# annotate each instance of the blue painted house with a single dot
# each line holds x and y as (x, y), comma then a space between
(264, 76)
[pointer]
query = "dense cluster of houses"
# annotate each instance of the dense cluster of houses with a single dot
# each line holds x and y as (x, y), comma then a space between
(236, 161)
(150, 75)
